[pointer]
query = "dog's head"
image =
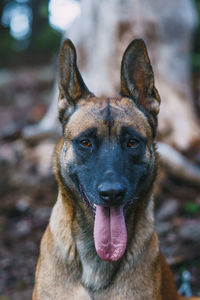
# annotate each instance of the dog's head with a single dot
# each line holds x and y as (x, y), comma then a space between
(107, 157)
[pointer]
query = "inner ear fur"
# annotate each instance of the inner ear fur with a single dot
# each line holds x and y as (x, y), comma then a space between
(71, 84)
(137, 78)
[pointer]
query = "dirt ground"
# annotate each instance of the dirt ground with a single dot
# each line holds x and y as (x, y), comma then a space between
(28, 191)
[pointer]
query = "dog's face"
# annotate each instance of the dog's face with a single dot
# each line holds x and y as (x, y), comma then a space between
(108, 155)
(107, 151)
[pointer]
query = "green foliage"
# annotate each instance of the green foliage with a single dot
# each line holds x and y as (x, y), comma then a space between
(191, 208)
(47, 41)
(38, 47)
(196, 60)
(7, 44)
(196, 49)
(43, 11)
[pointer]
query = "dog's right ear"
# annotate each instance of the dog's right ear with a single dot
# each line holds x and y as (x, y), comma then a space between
(71, 85)
(137, 78)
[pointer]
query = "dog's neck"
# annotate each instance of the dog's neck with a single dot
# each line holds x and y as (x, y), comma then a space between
(98, 274)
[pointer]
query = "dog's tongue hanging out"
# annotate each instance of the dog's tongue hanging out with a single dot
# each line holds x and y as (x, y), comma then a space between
(110, 234)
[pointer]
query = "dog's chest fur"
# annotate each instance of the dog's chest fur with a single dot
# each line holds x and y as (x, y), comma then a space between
(96, 276)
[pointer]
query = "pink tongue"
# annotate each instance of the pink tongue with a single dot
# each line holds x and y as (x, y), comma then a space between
(110, 235)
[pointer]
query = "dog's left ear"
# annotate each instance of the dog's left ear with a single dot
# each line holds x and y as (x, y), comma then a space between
(137, 78)
(71, 84)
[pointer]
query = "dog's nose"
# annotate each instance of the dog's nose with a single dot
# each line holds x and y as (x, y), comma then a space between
(111, 191)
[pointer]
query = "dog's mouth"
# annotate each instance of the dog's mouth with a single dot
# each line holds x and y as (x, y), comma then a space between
(90, 205)
(110, 235)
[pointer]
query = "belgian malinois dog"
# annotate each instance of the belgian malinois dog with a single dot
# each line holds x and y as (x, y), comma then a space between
(100, 242)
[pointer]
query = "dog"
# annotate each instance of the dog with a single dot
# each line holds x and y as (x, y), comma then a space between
(101, 242)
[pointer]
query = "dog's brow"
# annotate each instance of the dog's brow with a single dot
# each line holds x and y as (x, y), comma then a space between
(90, 132)
(108, 117)
(130, 130)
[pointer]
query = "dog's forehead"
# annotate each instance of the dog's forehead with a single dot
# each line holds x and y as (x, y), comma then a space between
(104, 113)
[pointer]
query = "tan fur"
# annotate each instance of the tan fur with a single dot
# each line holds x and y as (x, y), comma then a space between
(69, 267)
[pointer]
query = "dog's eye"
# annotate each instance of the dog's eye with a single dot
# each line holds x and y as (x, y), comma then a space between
(132, 143)
(85, 143)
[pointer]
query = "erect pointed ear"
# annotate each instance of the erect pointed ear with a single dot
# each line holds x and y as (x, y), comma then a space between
(137, 78)
(71, 84)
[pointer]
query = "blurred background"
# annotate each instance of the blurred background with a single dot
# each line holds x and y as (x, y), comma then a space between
(31, 32)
